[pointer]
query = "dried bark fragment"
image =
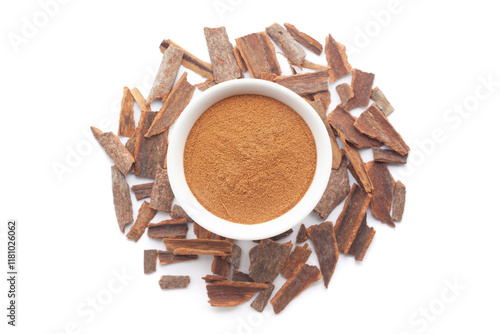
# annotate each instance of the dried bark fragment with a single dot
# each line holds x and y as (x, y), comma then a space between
(302, 277)
(267, 259)
(301, 235)
(150, 256)
(336, 191)
(169, 229)
(345, 93)
(262, 298)
(351, 217)
(177, 100)
(290, 47)
(121, 199)
(126, 126)
(114, 149)
(205, 85)
(259, 54)
(351, 169)
(173, 282)
(230, 293)
(337, 154)
(269, 77)
(388, 156)
(166, 257)
(165, 78)
(343, 123)
(373, 123)
(305, 83)
(398, 204)
(141, 101)
(313, 66)
(224, 65)
(361, 85)
(337, 59)
(146, 213)
(325, 244)
(143, 190)
(279, 236)
(299, 256)
(162, 195)
(220, 267)
(149, 153)
(307, 41)
(178, 213)
(239, 59)
(239, 276)
(202, 233)
(213, 278)
(358, 165)
(381, 101)
(190, 61)
(321, 113)
(235, 257)
(199, 247)
(324, 97)
(362, 240)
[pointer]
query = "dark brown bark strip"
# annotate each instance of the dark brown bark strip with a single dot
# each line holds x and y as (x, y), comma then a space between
(361, 85)
(301, 235)
(220, 267)
(121, 199)
(357, 165)
(173, 282)
(205, 85)
(213, 278)
(162, 195)
(126, 126)
(141, 101)
(325, 98)
(398, 204)
(362, 241)
(290, 47)
(178, 213)
(235, 257)
(114, 149)
(150, 256)
(383, 186)
(260, 302)
(199, 246)
(146, 214)
(267, 259)
(307, 41)
(388, 156)
(142, 191)
(345, 93)
(381, 101)
(224, 64)
(305, 83)
(190, 61)
(297, 257)
(325, 245)
(259, 54)
(165, 78)
(239, 276)
(321, 113)
(202, 233)
(239, 59)
(168, 229)
(167, 257)
(230, 293)
(337, 59)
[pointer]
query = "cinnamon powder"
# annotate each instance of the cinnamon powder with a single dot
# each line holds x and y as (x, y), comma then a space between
(249, 159)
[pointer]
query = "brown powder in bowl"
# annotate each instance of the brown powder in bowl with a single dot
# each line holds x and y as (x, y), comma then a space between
(249, 159)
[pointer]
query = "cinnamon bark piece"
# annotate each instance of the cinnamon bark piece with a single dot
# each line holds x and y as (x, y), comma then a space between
(325, 245)
(362, 241)
(230, 293)
(142, 191)
(150, 256)
(202, 233)
(361, 85)
(139, 98)
(302, 235)
(165, 78)
(235, 256)
(336, 191)
(213, 278)
(224, 64)
(166, 257)
(177, 100)
(337, 59)
(162, 195)
(305, 83)
(220, 267)
(345, 93)
(190, 61)
(307, 41)
(121, 199)
(337, 154)
(381, 101)
(145, 215)
(239, 59)
(269, 77)
(351, 217)
(302, 278)
(168, 229)
(351, 169)
(149, 153)
(279, 236)
(114, 149)
(313, 66)
(267, 259)
(373, 123)
(173, 282)
(259, 54)
(290, 47)
(388, 156)
(398, 204)
(321, 113)
(343, 123)
(262, 298)
(178, 213)
(324, 97)
(205, 85)
(199, 247)
(239, 276)
(299, 256)
(358, 165)
(126, 126)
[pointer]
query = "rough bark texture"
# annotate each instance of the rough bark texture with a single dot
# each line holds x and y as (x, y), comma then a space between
(383, 186)
(162, 195)
(290, 47)
(398, 205)
(206, 85)
(199, 247)
(361, 85)
(224, 64)
(230, 293)
(299, 256)
(146, 213)
(381, 101)
(362, 240)
(179, 213)
(142, 191)
(279, 236)
(301, 235)
(173, 282)
(220, 267)
(167, 257)
(114, 149)
(126, 126)
(141, 101)
(321, 112)
(213, 278)
(190, 61)
(259, 54)
(345, 93)
(337, 59)
(262, 298)
(235, 257)
(325, 98)
(150, 256)
(121, 199)
(239, 59)
(357, 165)
(305, 83)
(202, 233)
(325, 245)
(267, 259)
(304, 39)
(388, 156)
(165, 78)
(336, 191)
(239, 276)
(168, 229)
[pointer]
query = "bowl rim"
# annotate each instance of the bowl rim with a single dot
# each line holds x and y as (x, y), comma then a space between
(220, 226)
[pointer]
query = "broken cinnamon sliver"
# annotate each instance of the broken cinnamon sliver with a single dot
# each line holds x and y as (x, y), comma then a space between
(301, 235)
(190, 61)
(150, 256)
(262, 298)
(142, 191)
(213, 278)
(398, 204)
(224, 64)
(345, 93)
(337, 59)
(325, 245)
(162, 195)
(388, 156)
(199, 247)
(178, 213)
(305, 83)
(357, 165)
(362, 240)
(146, 214)
(361, 85)
(141, 101)
(324, 97)
(220, 267)
(177, 100)
(290, 47)
(239, 276)
(168, 229)
(307, 41)
(351, 217)
(205, 85)
(269, 77)
(259, 54)
(373, 123)
(299, 256)
(173, 282)
(381, 101)
(235, 256)
(165, 78)
(167, 257)
(202, 233)
(126, 125)
(302, 278)
(321, 113)
(230, 293)
(267, 259)
(121, 199)
(114, 149)
(239, 59)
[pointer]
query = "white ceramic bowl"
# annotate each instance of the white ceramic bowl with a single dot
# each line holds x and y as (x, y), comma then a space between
(175, 160)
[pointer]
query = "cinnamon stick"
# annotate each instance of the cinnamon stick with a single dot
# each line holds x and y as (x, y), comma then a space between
(165, 78)
(224, 64)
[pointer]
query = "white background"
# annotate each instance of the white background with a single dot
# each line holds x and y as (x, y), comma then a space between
(428, 58)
